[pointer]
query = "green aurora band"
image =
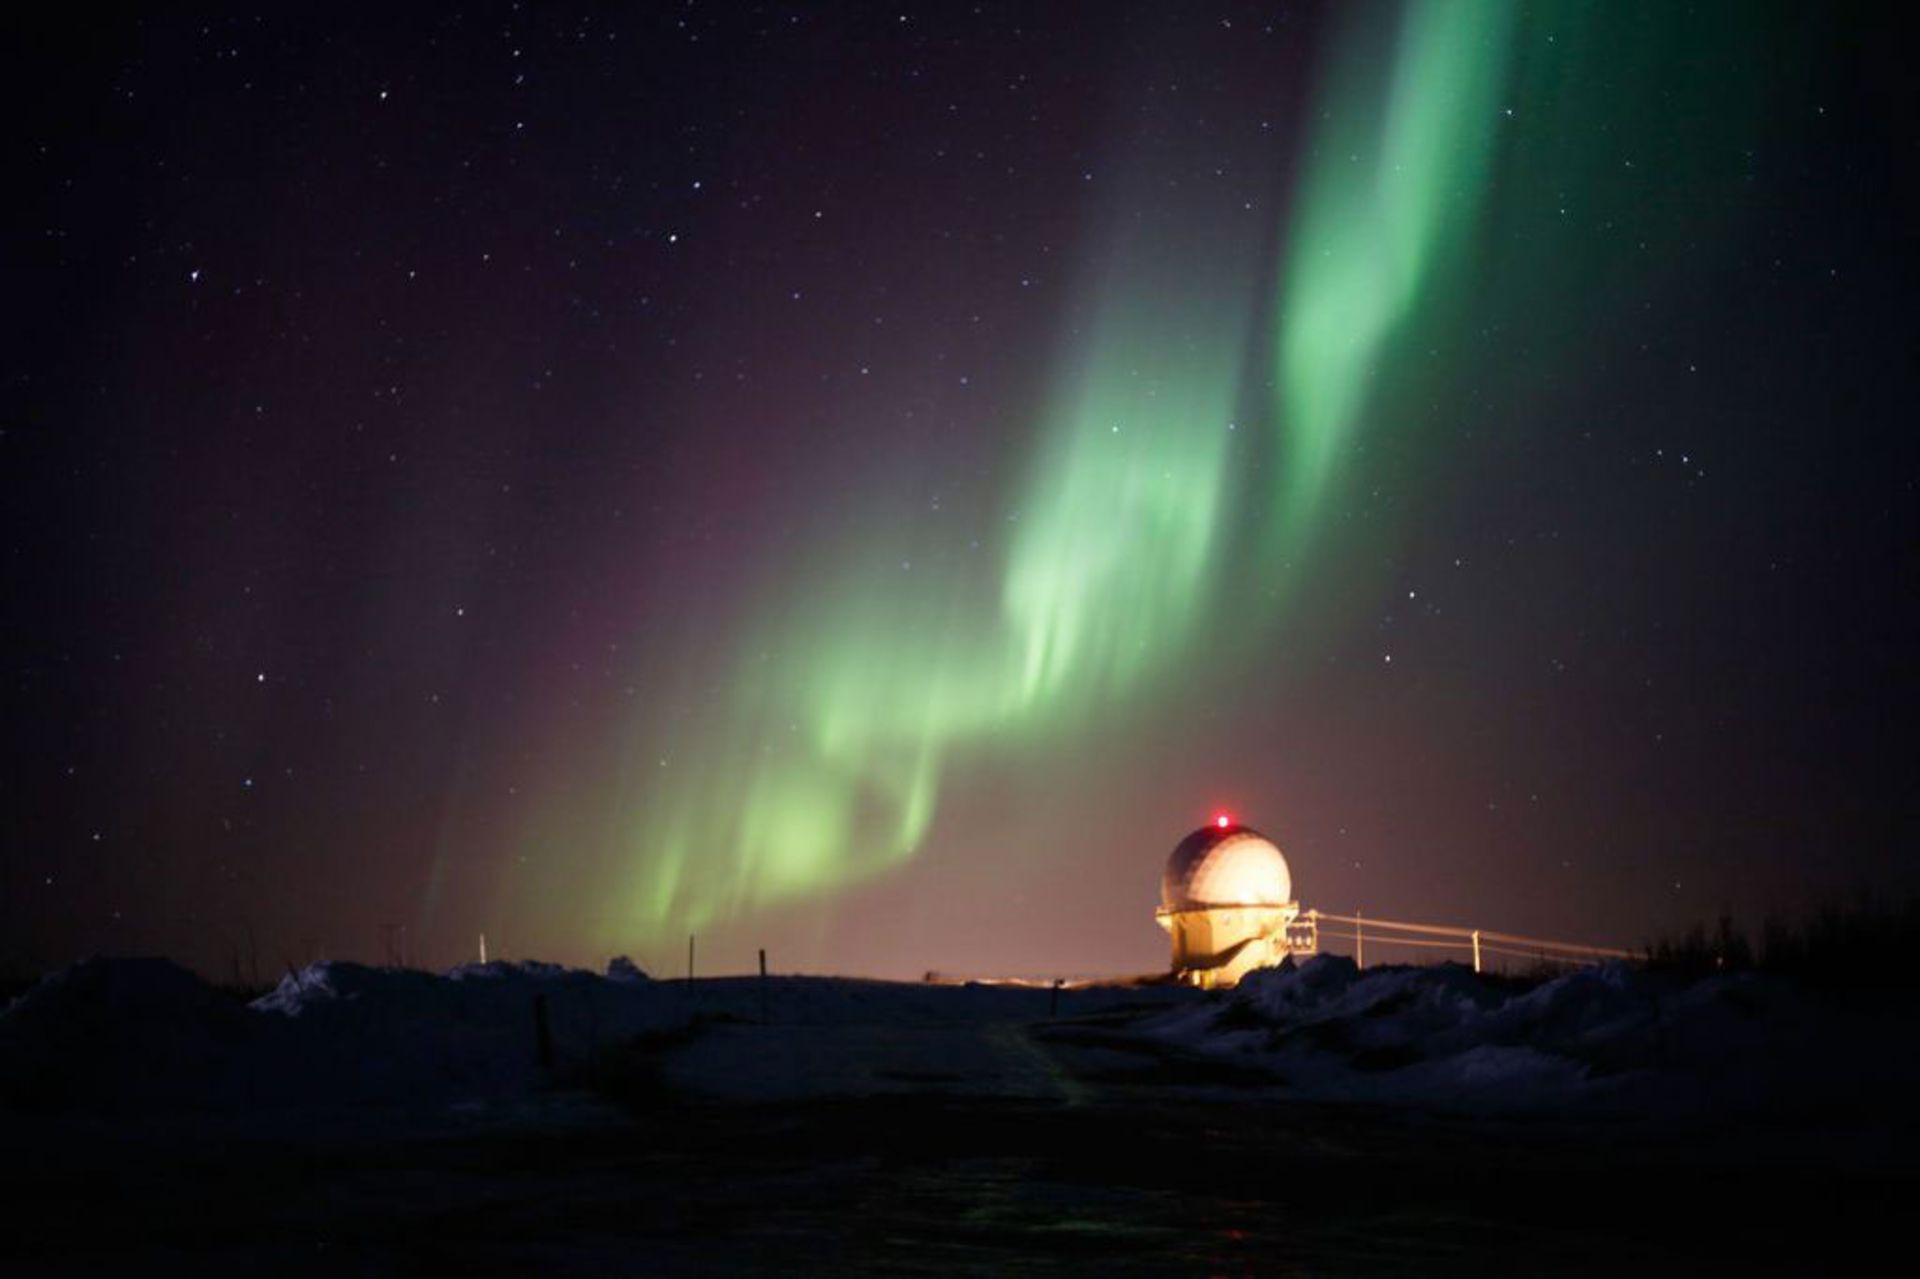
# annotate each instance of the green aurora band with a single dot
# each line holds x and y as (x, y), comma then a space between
(1206, 446)
(832, 736)
(1399, 169)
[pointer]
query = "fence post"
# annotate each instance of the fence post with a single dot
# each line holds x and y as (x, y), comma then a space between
(763, 985)
(1476, 950)
(1359, 939)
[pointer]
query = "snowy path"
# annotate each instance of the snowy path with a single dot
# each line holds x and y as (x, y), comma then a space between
(794, 1063)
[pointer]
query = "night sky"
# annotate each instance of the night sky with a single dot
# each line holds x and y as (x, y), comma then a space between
(865, 481)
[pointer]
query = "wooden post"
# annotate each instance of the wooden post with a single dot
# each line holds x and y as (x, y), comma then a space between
(689, 963)
(763, 985)
(1476, 950)
(1359, 939)
(1053, 1001)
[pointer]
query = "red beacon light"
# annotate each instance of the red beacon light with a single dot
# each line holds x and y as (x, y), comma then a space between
(1221, 821)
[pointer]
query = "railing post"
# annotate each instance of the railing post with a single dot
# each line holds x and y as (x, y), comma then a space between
(1476, 950)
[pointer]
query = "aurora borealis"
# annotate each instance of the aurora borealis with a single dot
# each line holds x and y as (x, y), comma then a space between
(865, 482)
(1119, 537)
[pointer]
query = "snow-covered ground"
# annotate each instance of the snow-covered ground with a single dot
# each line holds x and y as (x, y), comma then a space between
(1611, 1038)
(147, 1035)
(371, 1121)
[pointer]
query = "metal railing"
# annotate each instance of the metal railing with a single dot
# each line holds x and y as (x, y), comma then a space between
(1478, 942)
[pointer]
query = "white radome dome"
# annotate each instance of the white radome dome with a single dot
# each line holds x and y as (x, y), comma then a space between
(1225, 865)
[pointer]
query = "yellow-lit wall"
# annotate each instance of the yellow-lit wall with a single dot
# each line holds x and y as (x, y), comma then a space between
(1203, 940)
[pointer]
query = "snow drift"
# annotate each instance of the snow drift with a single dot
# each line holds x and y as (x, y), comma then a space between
(1610, 1038)
(146, 1033)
